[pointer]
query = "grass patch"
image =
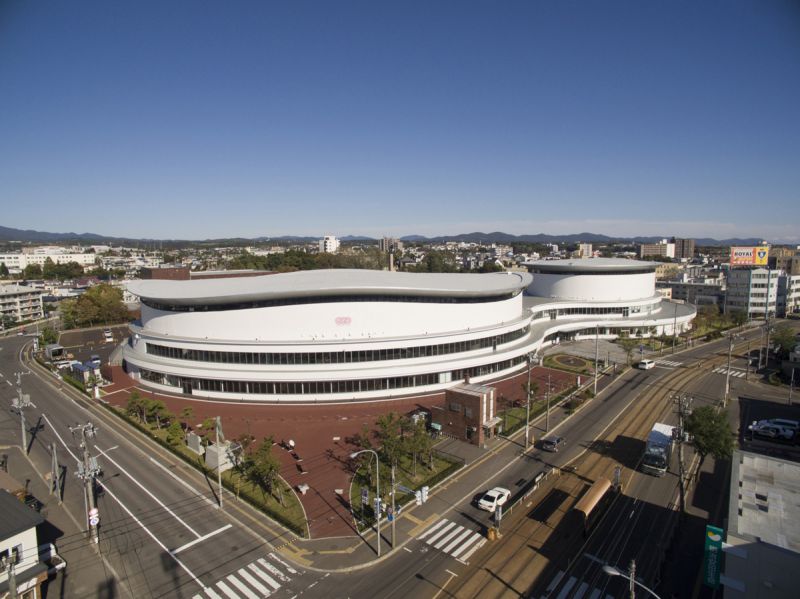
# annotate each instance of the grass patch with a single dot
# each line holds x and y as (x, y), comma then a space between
(290, 514)
(569, 363)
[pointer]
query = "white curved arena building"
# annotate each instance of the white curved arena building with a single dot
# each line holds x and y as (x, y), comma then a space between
(345, 335)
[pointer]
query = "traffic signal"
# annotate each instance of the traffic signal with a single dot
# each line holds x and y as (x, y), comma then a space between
(424, 494)
(418, 497)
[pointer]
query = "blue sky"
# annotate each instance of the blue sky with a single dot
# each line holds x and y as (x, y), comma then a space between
(216, 119)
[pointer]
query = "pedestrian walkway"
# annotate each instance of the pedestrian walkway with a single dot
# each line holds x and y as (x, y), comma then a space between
(583, 589)
(453, 539)
(668, 363)
(737, 372)
(260, 578)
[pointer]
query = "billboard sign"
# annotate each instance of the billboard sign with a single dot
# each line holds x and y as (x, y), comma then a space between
(749, 256)
(712, 558)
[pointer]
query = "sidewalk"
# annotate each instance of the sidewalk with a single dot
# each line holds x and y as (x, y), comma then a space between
(84, 575)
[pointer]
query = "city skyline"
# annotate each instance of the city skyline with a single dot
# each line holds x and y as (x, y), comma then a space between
(249, 120)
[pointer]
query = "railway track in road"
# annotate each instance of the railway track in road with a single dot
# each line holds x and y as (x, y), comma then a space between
(536, 547)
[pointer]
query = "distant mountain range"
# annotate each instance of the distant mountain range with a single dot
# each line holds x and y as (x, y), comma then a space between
(28, 235)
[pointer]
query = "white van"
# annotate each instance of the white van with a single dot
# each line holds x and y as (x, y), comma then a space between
(646, 364)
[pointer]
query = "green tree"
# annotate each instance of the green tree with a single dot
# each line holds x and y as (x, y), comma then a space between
(48, 336)
(390, 439)
(712, 433)
(3, 270)
(264, 469)
(784, 339)
(187, 413)
(175, 434)
(628, 345)
(32, 271)
(135, 407)
(418, 443)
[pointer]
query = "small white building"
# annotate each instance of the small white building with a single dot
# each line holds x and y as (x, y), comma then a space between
(753, 291)
(19, 547)
(329, 244)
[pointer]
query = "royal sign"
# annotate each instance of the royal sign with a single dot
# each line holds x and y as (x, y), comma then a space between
(749, 256)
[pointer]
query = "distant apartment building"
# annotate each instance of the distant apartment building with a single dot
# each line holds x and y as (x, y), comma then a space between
(391, 244)
(698, 294)
(329, 244)
(788, 294)
(790, 264)
(684, 248)
(662, 248)
(19, 303)
(753, 291)
(18, 261)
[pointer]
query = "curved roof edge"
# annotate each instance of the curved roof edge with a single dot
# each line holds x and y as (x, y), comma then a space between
(591, 265)
(329, 283)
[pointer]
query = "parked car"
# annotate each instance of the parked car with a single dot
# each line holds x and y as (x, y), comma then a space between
(771, 430)
(553, 443)
(493, 498)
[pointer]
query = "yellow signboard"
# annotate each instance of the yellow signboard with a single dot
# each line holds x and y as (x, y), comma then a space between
(749, 256)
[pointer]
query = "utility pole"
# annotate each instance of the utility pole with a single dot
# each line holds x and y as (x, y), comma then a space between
(18, 404)
(791, 386)
(55, 474)
(596, 349)
(547, 413)
(219, 435)
(684, 404)
(728, 373)
(394, 513)
(528, 403)
(675, 328)
(747, 372)
(87, 472)
(631, 578)
(7, 561)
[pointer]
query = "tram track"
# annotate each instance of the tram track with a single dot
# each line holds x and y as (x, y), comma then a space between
(502, 570)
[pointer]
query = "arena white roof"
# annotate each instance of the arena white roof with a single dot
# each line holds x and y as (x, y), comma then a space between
(589, 265)
(329, 282)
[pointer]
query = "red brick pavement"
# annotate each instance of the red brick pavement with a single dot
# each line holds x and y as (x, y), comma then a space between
(313, 428)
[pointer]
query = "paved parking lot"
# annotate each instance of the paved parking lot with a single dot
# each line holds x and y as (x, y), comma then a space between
(87, 342)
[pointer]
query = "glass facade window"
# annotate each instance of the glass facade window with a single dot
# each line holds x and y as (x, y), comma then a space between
(342, 357)
(324, 387)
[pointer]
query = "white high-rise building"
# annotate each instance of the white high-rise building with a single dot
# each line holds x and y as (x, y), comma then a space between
(329, 244)
(753, 291)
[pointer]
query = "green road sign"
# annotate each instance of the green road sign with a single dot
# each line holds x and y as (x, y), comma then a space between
(712, 558)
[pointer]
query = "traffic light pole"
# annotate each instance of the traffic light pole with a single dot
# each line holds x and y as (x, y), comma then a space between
(87, 472)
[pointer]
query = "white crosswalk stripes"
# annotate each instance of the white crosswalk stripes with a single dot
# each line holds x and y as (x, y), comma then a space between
(453, 539)
(739, 374)
(671, 363)
(566, 589)
(256, 580)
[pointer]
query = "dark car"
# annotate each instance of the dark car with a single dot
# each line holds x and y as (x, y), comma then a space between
(553, 443)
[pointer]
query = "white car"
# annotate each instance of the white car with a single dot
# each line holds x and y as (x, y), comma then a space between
(493, 498)
(646, 364)
(771, 430)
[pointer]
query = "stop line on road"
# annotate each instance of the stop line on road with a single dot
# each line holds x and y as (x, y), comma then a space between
(734, 372)
(668, 363)
(453, 539)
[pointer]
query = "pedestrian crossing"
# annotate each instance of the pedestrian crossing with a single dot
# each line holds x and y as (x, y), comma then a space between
(734, 372)
(258, 579)
(453, 539)
(669, 363)
(569, 590)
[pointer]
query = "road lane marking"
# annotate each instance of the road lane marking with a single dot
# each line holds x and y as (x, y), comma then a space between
(152, 536)
(273, 570)
(283, 563)
(254, 583)
(432, 528)
(227, 590)
(201, 539)
(265, 577)
(185, 484)
(153, 497)
(235, 582)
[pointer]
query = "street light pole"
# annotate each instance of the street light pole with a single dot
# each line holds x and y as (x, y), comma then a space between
(728, 373)
(547, 413)
(377, 490)
(528, 403)
(596, 349)
(631, 576)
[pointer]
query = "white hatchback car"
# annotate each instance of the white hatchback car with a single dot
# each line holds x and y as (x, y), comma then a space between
(493, 498)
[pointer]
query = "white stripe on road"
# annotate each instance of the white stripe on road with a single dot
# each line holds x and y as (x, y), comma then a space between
(567, 588)
(264, 576)
(289, 569)
(254, 583)
(201, 539)
(475, 536)
(447, 538)
(463, 535)
(273, 570)
(153, 497)
(185, 484)
(441, 532)
(463, 559)
(581, 590)
(227, 590)
(595, 594)
(152, 536)
(270, 568)
(248, 593)
(431, 529)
